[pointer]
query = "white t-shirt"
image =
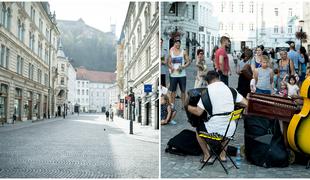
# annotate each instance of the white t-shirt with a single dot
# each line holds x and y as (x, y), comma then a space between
(292, 89)
(222, 102)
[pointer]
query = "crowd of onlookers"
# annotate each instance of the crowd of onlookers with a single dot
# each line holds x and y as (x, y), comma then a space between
(260, 71)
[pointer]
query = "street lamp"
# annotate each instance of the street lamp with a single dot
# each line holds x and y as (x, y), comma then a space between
(130, 103)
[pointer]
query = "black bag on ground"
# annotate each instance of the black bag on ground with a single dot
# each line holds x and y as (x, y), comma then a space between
(264, 144)
(184, 143)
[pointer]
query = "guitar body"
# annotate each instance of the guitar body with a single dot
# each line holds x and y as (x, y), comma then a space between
(298, 133)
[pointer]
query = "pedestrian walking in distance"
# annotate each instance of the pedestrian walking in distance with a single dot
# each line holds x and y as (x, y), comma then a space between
(107, 115)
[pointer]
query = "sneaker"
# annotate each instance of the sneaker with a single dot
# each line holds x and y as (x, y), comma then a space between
(173, 122)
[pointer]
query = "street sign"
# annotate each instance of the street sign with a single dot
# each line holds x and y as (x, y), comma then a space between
(147, 87)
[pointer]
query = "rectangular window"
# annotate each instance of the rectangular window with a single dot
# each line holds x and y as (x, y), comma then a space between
(62, 81)
(231, 7)
(222, 7)
(290, 12)
(251, 27)
(2, 55)
(83, 92)
(251, 7)
(241, 7)
(78, 91)
(62, 67)
(19, 65)
(276, 11)
(46, 79)
(276, 29)
(7, 58)
(290, 29)
(39, 76)
(40, 25)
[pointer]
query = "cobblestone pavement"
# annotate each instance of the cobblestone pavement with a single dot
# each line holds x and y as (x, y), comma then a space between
(76, 147)
(174, 166)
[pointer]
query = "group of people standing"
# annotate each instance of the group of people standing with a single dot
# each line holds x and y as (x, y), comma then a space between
(264, 73)
(259, 71)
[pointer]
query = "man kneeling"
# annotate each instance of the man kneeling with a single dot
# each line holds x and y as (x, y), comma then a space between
(222, 102)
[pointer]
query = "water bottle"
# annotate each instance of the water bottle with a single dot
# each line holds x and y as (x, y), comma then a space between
(238, 157)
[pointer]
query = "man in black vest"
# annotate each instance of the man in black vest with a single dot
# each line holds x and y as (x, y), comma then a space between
(222, 99)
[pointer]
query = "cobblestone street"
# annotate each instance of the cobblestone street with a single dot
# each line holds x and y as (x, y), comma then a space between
(174, 166)
(76, 147)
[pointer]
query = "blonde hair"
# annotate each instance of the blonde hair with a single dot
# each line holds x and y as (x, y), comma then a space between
(266, 58)
(166, 98)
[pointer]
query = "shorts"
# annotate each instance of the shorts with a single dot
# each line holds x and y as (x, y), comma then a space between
(174, 81)
(201, 127)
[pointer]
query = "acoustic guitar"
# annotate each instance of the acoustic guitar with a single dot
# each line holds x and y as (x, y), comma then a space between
(298, 133)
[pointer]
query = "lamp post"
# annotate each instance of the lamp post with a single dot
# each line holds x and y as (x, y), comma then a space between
(301, 23)
(129, 94)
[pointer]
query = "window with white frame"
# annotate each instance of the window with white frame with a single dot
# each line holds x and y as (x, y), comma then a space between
(290, 29)
(241, 6)
(46, 79)
(276, 29)
(251, 27)
(251, 7)
(39, 74)
(20, 30)
(276, 11)
(19, 65)
(290, 12)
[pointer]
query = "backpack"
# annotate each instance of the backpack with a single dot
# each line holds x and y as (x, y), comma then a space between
(264, 143)
(184, 143)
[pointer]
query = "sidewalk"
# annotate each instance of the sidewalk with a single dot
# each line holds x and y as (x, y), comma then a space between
(22, 124)
(144, 133)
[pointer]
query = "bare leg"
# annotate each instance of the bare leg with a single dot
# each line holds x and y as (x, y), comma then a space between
(204, 146)
(172, 97)
(183, 98)
(223, 153)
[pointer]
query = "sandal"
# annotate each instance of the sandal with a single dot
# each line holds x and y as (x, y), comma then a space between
(202, 160)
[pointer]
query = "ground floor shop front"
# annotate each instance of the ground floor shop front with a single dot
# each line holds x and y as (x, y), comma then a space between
(22, 100)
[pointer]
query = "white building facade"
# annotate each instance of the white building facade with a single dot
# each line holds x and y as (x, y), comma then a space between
(99, 96)
(61, 89)
(252, 23)
(141, 62)
(208, 34)
(82, 86)
(72, 92)
(28, 45)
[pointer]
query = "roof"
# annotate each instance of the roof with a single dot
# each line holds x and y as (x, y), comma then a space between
(95, 76)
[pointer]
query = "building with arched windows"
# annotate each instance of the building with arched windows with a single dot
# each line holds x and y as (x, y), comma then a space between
(28, 45)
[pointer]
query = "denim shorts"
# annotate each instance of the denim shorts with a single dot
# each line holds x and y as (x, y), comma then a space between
(261, 91)
(174, 81)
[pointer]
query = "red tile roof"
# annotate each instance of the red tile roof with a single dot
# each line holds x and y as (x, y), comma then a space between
(95, 76)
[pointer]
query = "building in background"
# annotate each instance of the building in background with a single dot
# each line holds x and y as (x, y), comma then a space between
(61, 89)
(72, 101)
(252, 23)
(139, 47)
(179, 20)
(208, 34)
(92, 89)
(28, 45)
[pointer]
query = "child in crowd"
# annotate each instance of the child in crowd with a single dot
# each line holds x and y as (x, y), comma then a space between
(276, 81)
(263, 77)
(283, 90)
(292, 88)
(167, 111)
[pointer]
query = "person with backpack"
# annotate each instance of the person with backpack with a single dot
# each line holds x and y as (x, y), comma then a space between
(221, 98)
